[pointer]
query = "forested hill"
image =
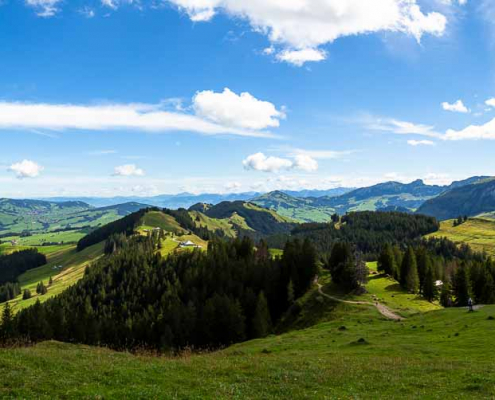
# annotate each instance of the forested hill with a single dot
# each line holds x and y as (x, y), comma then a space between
(470, 200)
(257, 219)
(368, 231)
(135, 298)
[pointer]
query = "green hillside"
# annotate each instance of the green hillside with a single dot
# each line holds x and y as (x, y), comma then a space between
(36, 217)
(253, 217)
(354, 352)
(470, 200)
(478, 233)
(299, 209)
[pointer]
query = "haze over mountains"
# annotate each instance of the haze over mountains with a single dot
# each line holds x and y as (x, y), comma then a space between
(467, 197)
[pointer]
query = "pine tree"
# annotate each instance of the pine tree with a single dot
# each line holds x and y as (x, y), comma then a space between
(290, 293)
(50, 281)
(446, 294)
(430, 291)
(386, 261)
(26, 294)
(462, 287)
(7, 323)
(262, 321)
(409, 272)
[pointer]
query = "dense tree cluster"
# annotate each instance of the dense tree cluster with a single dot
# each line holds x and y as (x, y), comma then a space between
(452, 280)
(348, 270)
(9, 291)
(368, 231)
(134, 297)
(15, 264)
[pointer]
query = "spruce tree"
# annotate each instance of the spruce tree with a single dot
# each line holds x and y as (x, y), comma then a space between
(409, 279)
(262, 321)
(462, 287)
(430, 291)
(446, 294)
(7, 323)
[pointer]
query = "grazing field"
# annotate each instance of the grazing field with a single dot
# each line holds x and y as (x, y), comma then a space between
(358, 354)
(65, 266)
(479, 233)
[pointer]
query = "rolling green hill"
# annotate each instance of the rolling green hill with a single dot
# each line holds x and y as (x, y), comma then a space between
(478, 233)
(35, 216)
(299, 209)
(251, 217)
(351, 351)
(470, 200)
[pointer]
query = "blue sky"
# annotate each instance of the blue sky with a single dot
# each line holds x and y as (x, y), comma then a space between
(133, 97)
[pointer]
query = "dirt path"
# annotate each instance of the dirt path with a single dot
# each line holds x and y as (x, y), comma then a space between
(384, 310)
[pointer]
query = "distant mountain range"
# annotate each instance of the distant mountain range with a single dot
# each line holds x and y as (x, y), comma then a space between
(471, 200)
(318, 205)
(388, 196)
(186, 200)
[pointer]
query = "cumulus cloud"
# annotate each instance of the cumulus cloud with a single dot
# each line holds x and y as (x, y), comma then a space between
(458, 106)
(490, 102)
(473, 132)
(128, 170)
(260, 162)
(44, 8)
(217, 114)
(26, 169)
(300, 27)
(300, 57)
(241, 111)
(233, 186)
(420, 143)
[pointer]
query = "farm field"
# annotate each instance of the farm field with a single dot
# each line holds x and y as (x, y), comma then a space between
(65, 266)
(479, 233)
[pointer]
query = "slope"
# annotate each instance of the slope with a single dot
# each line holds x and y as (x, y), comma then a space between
(478, 233)
(358, 354)
(470, 200)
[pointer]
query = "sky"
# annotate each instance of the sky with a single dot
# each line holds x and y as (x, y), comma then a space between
(145, 97)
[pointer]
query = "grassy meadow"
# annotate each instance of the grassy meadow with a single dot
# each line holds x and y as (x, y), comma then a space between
(356, 354)
(479, 233)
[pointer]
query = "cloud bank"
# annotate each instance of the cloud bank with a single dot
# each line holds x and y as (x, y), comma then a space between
(216, 114)
(300, 27)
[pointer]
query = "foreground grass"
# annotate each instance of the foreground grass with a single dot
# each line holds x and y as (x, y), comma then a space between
(440, 354)
(478, 233)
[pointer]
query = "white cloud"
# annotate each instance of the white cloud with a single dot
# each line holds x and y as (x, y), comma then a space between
(473, 132)
(420, 143)
(453, 2)
(400, 127)
(305, 163)
(299, 26)
(128, 170)
(300, 57)
(26, 169)
(244, 117)
(458, 106)
(240, 111)
(490, 102)
(44, 8)
(260, 162)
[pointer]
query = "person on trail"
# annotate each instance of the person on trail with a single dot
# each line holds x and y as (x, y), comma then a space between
(470, 304)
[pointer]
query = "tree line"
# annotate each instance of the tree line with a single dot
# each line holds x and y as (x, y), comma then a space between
(134, 297)
(452, 280)
(368, 231)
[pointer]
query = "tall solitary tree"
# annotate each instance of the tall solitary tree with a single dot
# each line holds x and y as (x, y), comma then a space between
(462, 287)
